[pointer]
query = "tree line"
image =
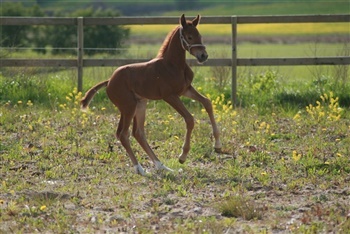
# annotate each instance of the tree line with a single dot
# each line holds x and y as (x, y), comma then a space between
(60, 37)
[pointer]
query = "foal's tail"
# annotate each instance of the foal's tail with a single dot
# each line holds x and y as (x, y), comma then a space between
(91, 93)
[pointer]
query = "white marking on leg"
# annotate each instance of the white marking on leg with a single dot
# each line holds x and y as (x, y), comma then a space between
(160, 166)
(139, 170)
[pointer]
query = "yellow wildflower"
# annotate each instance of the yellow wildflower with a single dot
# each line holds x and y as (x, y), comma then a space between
(43, 208)
(296, 157)
(29, 103)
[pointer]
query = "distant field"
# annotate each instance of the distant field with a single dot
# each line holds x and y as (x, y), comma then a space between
(276, 8)
(166, 7)
(250, 50)
(247, 50)
(244, 49)
(249, 29)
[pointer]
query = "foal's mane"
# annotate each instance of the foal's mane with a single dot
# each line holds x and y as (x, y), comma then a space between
(166, 42)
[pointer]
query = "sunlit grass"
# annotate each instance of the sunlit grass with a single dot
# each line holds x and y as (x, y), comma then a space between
(269, 162)
(288, 134)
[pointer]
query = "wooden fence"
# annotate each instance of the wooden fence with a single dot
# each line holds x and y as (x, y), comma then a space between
(233, 62)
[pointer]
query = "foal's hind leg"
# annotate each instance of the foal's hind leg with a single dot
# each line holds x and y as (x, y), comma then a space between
(120, 127)
(123, 136)
(139, 134)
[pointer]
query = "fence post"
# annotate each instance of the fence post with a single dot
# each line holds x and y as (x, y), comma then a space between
(234, 61)
(80, 51)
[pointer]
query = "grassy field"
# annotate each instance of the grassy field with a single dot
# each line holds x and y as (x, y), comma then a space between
(284, 166)
(281, 170)
(285, 163)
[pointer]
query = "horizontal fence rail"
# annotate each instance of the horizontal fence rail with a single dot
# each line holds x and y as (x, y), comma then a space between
(80, 22)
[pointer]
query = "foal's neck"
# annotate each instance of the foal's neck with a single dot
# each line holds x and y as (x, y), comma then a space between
(172, 49)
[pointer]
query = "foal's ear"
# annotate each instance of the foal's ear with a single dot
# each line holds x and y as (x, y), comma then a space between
(183, 20)
(196, 20)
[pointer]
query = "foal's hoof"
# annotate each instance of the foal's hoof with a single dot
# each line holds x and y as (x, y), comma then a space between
(218, 150)
(139, 170)
(182, 161)
(160, 167)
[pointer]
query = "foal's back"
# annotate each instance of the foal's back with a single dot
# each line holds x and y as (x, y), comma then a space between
(152, 80)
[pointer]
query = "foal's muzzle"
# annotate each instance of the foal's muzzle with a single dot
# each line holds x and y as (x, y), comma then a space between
(201, 55)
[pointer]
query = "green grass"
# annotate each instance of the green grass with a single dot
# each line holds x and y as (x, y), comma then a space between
(64, 171)
(284, 167)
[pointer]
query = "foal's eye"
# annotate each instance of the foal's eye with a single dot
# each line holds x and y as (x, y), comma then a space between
(190, 38)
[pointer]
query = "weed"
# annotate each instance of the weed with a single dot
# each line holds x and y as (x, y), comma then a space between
(239, 206)
(12, 208)
(327, 109)
(221, 74)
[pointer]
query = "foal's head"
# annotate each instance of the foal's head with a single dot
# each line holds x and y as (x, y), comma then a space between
(191, 40)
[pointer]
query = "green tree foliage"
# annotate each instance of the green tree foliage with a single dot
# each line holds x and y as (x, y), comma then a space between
(15, 36)
(61, 37)
(102, 36)
(12, 36)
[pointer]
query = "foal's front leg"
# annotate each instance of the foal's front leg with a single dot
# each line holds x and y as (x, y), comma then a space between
(193, 94)
(176, 103)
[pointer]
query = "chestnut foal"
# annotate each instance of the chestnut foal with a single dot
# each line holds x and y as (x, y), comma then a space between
(165, 77)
